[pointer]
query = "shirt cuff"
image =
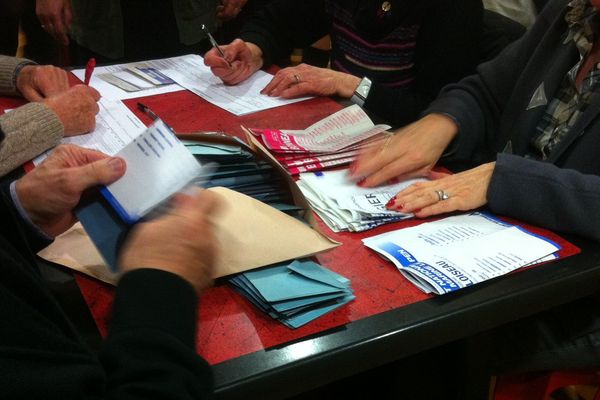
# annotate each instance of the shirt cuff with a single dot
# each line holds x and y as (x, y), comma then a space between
(23, 213)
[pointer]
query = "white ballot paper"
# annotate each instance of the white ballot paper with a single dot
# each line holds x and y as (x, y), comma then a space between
(116, 126)
(456, 252)
(345, 206)
(244, 98)
(158, 165)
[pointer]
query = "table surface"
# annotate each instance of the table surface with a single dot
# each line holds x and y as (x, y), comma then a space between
(254, 356)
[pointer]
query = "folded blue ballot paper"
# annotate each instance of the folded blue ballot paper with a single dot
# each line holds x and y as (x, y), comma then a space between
(294, 293)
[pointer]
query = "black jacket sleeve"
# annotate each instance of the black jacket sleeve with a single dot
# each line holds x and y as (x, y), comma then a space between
(283, 25)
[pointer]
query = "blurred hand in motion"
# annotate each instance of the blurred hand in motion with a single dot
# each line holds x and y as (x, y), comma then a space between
(304, 80)
(55, 17)
(37, 82)
(181, 242)
(229, 9)
(411, 152)
(76, 108)
(466, 191)
(245, 59)
(51, 191)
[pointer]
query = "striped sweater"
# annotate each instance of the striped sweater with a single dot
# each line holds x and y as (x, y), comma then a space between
(409, 49)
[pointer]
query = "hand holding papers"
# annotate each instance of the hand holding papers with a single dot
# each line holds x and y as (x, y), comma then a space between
(459, 251)
(344, 206)
(330, 142)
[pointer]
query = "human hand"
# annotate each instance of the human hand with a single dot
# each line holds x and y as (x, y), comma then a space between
(36, 82)
(306, 79)
(245, 59)
(229, 9)
(55, 17)
(466, 191)
(51, 191)
(412, 152)
(76, 108)
(181, 242)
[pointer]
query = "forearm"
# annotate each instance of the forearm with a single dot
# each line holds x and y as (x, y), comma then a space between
(9, 69)
(29, 130)
(543, 194)
(151, 344)
(283, 25)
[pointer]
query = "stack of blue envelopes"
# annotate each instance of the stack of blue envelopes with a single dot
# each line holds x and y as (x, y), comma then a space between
(294, 293)
(238, 169)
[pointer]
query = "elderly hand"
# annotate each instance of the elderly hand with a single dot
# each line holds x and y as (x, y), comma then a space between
(445, 193)
(181, 242)
(76, 109)
(36, 82)
(304, 80)
(51, 191)
(411, 152)
(245, 59)
(56, 17)
(229, 9)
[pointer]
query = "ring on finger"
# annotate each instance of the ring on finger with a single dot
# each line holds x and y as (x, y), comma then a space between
(442, 195)
(297, 78)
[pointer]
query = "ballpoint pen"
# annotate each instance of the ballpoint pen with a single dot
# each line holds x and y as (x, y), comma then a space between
(89, 70)
(215, 44)
(144, 108)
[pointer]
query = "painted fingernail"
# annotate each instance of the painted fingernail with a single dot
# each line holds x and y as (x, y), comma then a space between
(361, 183)
(390, 203)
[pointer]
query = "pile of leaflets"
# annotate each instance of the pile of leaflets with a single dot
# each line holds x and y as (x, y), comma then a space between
(344, 206)
(459, 251)
(333, 141)
(294, 293)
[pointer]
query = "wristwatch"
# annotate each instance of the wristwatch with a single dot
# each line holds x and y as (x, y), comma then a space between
(361, 92)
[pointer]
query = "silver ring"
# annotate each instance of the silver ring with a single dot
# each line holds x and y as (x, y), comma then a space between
(442, 195)
(297, 79)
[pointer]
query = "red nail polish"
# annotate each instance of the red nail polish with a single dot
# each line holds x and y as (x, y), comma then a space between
(361, 183)
(417, 210)
(390, 203)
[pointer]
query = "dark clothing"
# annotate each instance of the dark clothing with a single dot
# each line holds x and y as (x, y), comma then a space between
(409, 51)
(495, 113)
(149, 352)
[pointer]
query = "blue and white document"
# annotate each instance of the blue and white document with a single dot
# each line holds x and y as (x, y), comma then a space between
(456, 252)
(158, 165)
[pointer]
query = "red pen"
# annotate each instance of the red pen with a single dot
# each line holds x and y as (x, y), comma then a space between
(89, 70)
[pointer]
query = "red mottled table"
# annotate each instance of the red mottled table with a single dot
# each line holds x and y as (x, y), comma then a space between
(389, 319)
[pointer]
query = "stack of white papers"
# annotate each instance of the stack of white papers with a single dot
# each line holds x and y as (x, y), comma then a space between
(460, 251)
(294, 293)
(333, 141)
(344, 206)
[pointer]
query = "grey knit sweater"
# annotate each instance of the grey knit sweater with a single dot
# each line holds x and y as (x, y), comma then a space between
(30, 129)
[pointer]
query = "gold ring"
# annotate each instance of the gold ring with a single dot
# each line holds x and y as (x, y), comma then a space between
(297, 79)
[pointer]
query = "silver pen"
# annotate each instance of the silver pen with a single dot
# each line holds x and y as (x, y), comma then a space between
(215, 44)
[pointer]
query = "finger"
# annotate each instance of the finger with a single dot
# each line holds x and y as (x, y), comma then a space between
(198, 206)
(390, 171)
(435, 175)
(102, 172)
(301, 89)
(440, 207)
(416, 200)
(32, 94)
(272, 84)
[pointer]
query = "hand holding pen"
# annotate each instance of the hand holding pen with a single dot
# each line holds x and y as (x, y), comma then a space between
(214, 44)
(246, 59)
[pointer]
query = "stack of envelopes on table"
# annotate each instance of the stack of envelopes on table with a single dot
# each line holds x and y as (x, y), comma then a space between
(333, 141)
(236, 168)
(294, 293)
(345, 206)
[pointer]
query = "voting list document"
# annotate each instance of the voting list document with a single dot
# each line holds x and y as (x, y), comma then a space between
(244, 98)
(116, 126)
(460, 251)
(158, 165)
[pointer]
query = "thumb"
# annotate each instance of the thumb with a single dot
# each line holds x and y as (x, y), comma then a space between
(102, 172)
